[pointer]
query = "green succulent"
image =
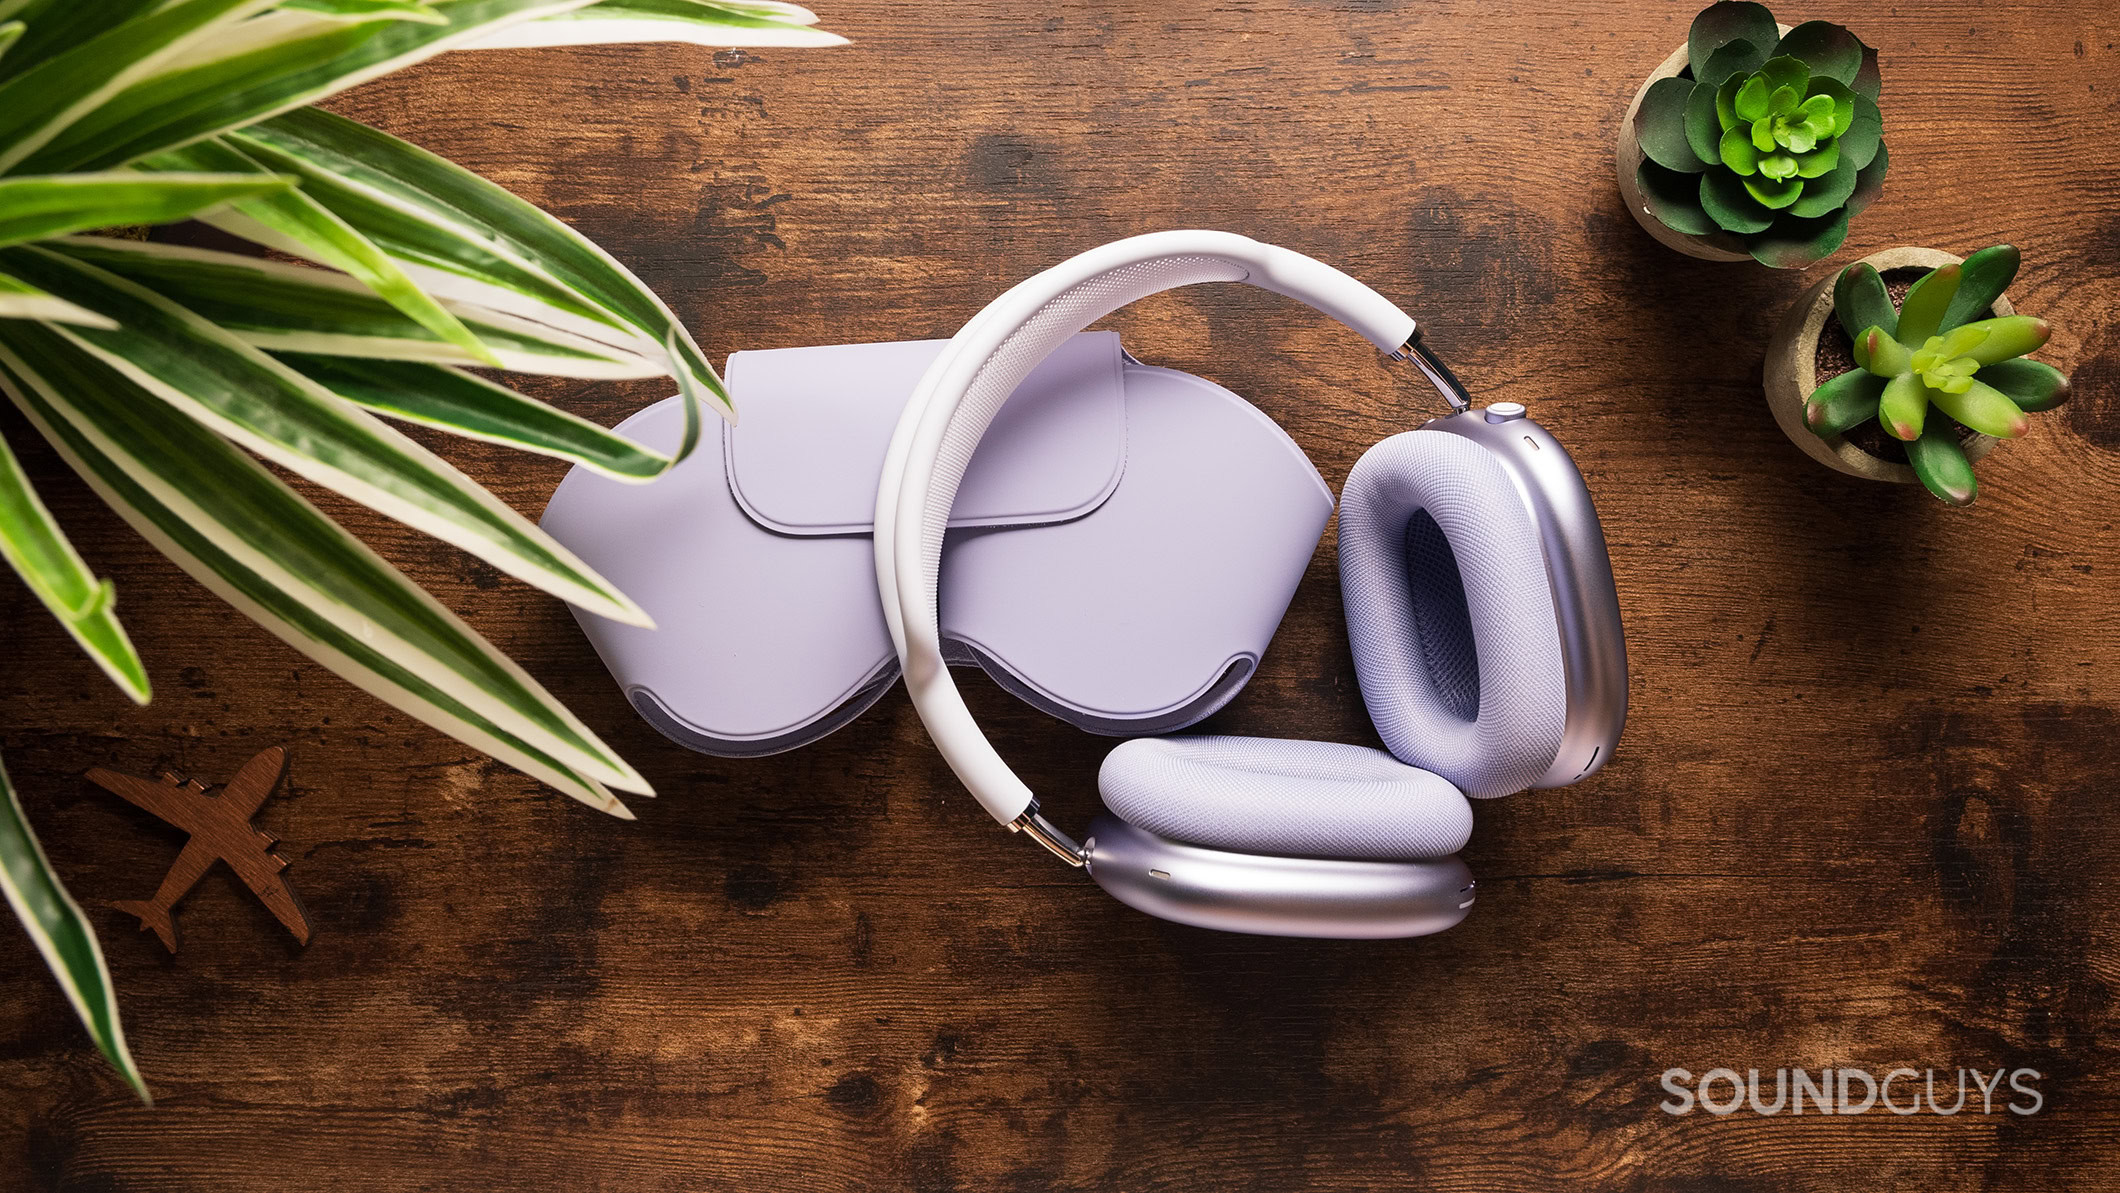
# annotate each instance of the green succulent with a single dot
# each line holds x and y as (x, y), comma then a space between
(1773, 140)
(1933, 351)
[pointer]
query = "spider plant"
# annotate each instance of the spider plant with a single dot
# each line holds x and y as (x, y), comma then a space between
(165, 375)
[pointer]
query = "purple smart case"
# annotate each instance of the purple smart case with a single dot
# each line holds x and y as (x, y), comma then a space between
(1123, 547)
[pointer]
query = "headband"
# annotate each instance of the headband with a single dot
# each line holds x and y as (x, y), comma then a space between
(966, 386)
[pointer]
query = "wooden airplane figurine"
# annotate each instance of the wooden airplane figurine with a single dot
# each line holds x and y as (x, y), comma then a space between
(220, 831)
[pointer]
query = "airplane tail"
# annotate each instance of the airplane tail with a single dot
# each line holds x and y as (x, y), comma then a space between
(153, 917)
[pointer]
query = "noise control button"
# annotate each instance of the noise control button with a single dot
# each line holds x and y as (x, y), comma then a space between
(1502, 412)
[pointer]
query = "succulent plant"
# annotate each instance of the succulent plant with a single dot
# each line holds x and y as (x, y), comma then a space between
(1772, 140)
(1935, 350)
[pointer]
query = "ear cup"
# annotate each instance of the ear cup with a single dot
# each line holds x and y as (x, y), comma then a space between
(1450, 613)
(1288, 798)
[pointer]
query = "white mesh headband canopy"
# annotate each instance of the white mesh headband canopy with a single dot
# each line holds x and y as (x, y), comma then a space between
(965, 387)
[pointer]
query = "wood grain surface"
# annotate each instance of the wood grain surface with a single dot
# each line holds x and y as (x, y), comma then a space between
(1862, 816)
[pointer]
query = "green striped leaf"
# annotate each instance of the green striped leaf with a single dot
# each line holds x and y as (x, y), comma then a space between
(261, 404)
(700, 22)
(260, 546)
(54, 921)
(462, 404)
(462, 236)
(52, 27)
(441, 265)
(37, 208)
(293, 308)
(10, 33)
(268, 64)
(327, 239)
(41, 554)
(20, 300)
(370, 10)
(43, 101)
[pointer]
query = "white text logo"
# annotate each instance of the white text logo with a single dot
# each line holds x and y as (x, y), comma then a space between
(1853, 1091)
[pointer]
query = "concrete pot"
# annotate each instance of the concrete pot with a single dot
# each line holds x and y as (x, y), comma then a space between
(1791, 371)
(1715, 246)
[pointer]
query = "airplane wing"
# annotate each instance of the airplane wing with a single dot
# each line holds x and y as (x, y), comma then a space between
(274, 892)
(167, 800)
(247, 791)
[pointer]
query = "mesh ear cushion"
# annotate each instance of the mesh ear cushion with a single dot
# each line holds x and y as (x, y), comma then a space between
(1450, 614)
(1286, 798)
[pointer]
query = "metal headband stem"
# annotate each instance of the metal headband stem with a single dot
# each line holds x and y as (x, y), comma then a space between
(1044, 833)
(1433, 368)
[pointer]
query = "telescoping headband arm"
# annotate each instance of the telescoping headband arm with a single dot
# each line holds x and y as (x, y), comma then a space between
(958, 397)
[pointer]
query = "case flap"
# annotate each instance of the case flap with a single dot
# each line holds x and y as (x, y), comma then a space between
(815, 423)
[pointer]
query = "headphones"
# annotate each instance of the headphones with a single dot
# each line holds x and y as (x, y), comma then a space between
(1479, 604)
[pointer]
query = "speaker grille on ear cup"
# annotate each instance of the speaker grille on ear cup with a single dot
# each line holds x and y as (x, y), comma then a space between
(1288, 798)
(1408, 651)
(1440, 619)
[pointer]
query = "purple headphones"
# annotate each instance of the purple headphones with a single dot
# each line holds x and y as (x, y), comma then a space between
(1115, 544)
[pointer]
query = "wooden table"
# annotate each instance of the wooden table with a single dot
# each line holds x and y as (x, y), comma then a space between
(1862, 816)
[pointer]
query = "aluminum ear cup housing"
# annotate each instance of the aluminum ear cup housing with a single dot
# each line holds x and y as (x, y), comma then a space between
(1579, 575)
(1280, 837)
(1275, 896)
(1479, 604)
